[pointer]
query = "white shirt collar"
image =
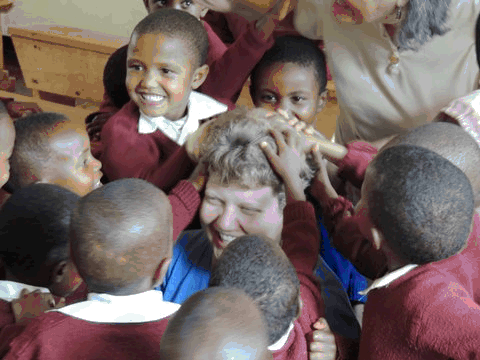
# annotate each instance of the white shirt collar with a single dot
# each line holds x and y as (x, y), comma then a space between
(10, 290)
(282, 341)
(389, 278)
(199, 107)
(137, 308)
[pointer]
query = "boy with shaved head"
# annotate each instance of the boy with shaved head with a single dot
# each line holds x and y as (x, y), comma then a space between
(216, 324)
(121, 244)
(447, 140)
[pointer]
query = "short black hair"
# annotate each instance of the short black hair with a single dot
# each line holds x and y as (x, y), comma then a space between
(118, 233)
(114, 75)
(421, 202)
(214, 322)
(31, 152)
(177, 24)
(296, 50)
(34, 231)
(259, 267)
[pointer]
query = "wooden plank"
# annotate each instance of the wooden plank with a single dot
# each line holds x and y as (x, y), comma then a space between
(75, 114)
(61, 69)
(72, 37)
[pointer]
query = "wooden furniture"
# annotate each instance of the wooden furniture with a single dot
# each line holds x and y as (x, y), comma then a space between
(63, 60)
(75, 114)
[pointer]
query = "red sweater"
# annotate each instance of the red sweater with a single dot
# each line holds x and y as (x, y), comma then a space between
(429, 313)
(301, 243)
(349, 241)
(57, 336)
(153, 157)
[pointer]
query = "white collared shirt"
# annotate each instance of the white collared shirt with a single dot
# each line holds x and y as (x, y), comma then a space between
(199, 107)
(10, 290)
(114, 309)
(389, 278)
(282, 341)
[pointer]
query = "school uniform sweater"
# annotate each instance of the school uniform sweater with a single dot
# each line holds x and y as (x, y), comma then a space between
(154, 157)
(428, 313)
(349, 241)
(104, 326)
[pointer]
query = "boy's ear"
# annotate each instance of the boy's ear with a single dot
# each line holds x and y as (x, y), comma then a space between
(199, 76)
(322, 101)
(59, 272)
(161, 271)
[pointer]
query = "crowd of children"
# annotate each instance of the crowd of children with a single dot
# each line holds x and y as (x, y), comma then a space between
(196, 230)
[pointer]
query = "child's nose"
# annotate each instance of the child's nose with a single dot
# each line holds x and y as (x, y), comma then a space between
(150, 79)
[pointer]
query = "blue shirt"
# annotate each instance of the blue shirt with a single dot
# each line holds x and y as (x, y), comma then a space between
(190, 268)
(352, 281)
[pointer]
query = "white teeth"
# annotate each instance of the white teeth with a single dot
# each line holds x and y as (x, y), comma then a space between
(153, 98)
(227, 238)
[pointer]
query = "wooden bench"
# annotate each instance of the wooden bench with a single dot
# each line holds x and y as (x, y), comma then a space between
(64, 60)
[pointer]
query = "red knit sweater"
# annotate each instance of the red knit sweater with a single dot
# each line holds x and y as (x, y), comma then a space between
(301, 242)
(153, 157)
(429, 313)
(58, 336)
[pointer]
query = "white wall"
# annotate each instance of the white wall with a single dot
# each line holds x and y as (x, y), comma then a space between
(113, 17)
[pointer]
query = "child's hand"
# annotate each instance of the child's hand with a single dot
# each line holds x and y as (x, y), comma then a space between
(30, 305)
(323, 346)
(287, 163)
(194, 140)
(199, 176)
(268, 22)
(321, 189)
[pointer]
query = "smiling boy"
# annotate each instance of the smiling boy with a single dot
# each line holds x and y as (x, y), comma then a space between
(165, 63)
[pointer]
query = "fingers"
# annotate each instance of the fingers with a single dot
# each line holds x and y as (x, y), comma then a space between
(23, 293)
(60, 303)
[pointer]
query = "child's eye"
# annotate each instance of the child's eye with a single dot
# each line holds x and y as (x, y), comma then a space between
(135, 67)
(268, 98)
(186, 4)
(297, 99)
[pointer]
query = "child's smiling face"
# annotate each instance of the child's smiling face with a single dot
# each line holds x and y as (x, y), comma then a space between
(161, 75)
(289, 87)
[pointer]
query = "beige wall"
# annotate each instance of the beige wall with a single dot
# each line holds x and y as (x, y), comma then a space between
(113, 17)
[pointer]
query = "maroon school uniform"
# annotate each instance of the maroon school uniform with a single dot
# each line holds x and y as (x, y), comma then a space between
(427, 313)
(301, 242)
(104, 326)
(153, 157)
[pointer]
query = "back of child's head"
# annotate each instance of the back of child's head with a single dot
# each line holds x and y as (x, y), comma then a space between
(232, 152)
(295, 50)
(34, 232)
(179, 25)
(449, 141)
(259, 267)
(216, 324)
(7, 139)
(121, 234)
(422, 203)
